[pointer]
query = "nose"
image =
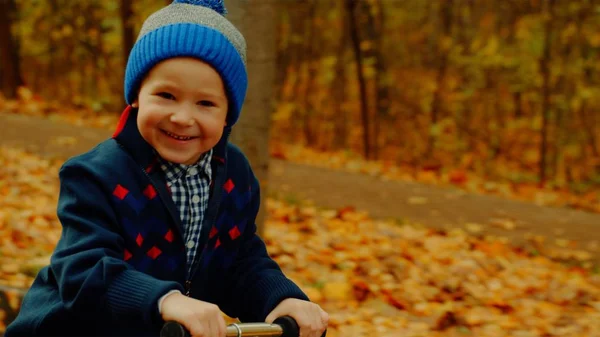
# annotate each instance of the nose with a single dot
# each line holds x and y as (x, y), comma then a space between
(183, 115)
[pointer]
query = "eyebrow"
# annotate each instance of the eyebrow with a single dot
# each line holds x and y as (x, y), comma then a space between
(168, 85)
(206, 96)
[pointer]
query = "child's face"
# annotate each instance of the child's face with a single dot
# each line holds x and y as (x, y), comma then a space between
(182, 109)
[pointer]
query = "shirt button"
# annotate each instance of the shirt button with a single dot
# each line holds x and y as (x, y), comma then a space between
(190, 244)
(195, 199)
(193, 171)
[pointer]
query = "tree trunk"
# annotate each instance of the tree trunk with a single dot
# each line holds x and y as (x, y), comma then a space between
(297, 55)
(283, 57)
(545, 69)
(251, 133)
(383, 92)
(127, 41)
(309, 60)
(364, 106)
(128, 37)
(9, 51)
(340, 122)
(373, 31)
(583, 52)
(446, 15)
(51, 68)
(518, 103)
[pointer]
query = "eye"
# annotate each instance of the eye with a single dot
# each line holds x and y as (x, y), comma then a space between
(206, 103)
(165, 95)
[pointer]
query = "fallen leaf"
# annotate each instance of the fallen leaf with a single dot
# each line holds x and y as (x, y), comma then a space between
(417, 201)
(64, 141)
(473, 227)
(504, 224)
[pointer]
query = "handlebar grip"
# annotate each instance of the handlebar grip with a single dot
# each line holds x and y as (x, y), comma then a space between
(288, 325)
(173, 329)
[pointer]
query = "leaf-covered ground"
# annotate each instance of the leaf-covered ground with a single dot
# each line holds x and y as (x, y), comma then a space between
(375, 278)
(381, 279)
(464, 179)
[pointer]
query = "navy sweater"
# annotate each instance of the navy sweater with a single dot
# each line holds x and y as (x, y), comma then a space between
(122, 246)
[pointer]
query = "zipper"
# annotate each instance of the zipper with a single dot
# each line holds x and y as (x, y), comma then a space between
(211, 211)
(188, 287)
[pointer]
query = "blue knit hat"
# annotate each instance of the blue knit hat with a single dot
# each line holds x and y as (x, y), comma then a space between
(192, 28)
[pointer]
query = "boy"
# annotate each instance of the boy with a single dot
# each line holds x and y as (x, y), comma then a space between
(158, 221)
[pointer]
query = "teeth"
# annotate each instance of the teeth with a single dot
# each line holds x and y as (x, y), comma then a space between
(177, 137)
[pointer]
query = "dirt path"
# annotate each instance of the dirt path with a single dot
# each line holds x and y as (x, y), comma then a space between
(431, 206)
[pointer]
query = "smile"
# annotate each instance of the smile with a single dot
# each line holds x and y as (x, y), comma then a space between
(178, 137)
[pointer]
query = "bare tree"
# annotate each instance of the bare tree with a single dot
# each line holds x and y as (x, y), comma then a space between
(445, 30)
(9, 51)
(252, 131)
(127, 34)
(340, 123)
(545, 70)
(364, 104)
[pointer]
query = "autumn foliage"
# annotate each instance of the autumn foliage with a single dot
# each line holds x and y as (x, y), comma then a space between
(375, 277)
(496, 94)
(495, 97)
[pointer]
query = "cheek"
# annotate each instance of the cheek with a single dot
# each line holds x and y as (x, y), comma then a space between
(147, 120)
(212, 128)
(212, 133)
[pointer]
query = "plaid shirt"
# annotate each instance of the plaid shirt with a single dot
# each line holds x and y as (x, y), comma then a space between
(189, 185)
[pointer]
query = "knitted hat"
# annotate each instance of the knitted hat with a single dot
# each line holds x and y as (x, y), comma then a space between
(192, 28)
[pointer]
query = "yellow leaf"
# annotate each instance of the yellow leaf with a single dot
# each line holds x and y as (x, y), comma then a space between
(340, 290)
(314, 294)
(473, 227)
(417, 201)
(10, 268)
(504, 223)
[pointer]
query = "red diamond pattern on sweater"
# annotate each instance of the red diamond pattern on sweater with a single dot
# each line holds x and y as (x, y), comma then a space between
(139, 239)
(120, 192)
(213, 232)
(127, 255)
(169, 236)
(150, 166)
(150, 192)
(228, 186)
(154, 252)
(218, 243)
(234, 233)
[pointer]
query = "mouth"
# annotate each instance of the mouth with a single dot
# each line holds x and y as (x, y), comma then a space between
(178, 137)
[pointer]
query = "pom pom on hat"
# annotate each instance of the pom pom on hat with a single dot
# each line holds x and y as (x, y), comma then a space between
(216, 5)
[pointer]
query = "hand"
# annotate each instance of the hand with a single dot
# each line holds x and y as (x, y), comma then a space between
(311, 319)
(201, 319)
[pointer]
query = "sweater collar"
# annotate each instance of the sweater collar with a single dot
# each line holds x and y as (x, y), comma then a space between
(128, 135)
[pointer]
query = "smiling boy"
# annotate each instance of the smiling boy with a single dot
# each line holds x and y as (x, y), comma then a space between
(158, 221)
(201, 111)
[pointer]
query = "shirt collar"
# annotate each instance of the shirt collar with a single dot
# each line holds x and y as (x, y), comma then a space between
(174, 171)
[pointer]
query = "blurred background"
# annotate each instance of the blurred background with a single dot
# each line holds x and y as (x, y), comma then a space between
(364, 118)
